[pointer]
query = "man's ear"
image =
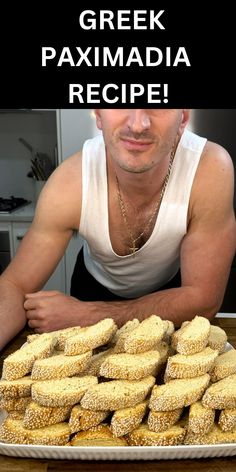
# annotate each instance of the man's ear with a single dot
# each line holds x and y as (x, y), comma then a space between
(184, 120)
(98, 118)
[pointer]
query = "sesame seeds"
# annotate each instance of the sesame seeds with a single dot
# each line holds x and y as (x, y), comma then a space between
(181, 366)
(83, 419)
(178, 393)
(162, 420)
(61, 392)
(127, 399)
(117, 394)
(227, 419)
(91, 337)
(16, 388)
(37, 416)
(201, 419)
(60, 366)
(130, 366)
(142, 436)
(127, 419)
(13, 431)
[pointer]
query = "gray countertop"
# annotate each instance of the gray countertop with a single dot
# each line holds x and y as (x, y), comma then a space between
(25, 213)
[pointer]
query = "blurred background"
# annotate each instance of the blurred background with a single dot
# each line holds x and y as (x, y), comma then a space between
(220, 126)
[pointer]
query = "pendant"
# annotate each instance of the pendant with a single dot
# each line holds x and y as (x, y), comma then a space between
(134, 249)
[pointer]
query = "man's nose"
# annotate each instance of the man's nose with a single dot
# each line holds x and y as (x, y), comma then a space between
(139, 120)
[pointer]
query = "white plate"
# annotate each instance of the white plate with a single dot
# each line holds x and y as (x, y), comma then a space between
(118, 452)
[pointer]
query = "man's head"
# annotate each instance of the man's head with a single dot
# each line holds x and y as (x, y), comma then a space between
(138, 139)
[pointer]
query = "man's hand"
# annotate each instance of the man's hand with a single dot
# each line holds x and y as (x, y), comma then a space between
(52, 310)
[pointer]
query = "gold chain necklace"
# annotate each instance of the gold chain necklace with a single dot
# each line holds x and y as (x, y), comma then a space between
(133, 240)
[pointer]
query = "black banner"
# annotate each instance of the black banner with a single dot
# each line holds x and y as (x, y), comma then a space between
(162, 55)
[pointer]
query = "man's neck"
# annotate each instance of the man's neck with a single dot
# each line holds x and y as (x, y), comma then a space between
(138, 185)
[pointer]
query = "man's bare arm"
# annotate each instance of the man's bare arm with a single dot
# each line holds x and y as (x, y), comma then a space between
(42, 247)
(14, 312)
(206, 255)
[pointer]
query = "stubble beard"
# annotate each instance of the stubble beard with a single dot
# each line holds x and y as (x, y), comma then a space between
(123, 162)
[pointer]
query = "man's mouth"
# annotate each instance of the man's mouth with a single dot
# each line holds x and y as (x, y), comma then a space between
(136, 144)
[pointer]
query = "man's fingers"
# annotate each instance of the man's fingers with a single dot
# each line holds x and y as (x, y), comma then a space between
(34, 324)
(31, 315)
(30, 304)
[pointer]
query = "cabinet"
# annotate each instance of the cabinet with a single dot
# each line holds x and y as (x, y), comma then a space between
(15, 233)
(5, 246)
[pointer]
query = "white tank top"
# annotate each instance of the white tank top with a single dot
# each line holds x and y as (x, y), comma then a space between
(158, 260)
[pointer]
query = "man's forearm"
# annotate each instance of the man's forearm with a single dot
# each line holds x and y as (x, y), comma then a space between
(176, 304)
(12, 313)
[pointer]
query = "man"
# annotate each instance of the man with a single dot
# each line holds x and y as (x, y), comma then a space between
(153, 198)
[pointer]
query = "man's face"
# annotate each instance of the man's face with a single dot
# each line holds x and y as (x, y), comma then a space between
(137, 140)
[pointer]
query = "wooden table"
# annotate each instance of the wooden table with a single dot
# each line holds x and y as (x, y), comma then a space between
(8, 464)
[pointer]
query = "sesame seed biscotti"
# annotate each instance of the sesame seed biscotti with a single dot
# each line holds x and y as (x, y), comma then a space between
(224, 365)
(91, 337)
(178, 393)
(21, 361)
(162, 420)
(175, 334)
(16, 388)
(16, 415)
(169, 330)
(61, 335)
(215, 436)
(62, 392)
(96, 362)
(82, 419)
(181, 366)
(18, 364)
(142, 436)
(37, 416)
(59, 366)
(222, 394)
(14, 404)
(146, 336)
(32, 337)
(217, 338)
(164, 350)
(117, 394)
(201, 418)
(100, 435)
(130, 366)
(121, 335)
(227, 419)
(193, 337)
(125, 420)
(12, 431)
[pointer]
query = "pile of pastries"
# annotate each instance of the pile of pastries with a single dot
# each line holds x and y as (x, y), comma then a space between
(145, 384)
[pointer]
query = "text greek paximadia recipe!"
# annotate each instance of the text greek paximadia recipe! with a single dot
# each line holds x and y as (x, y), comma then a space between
(118, 57)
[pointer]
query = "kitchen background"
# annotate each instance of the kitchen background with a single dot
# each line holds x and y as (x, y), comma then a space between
(54, 135)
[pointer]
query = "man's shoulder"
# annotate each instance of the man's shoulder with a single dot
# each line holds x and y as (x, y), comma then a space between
(62, 195)
(68, 171)
(214, 180)
(216, 153)
(215, 164)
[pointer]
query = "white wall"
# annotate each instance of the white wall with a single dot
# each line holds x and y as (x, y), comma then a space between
(75, 127)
